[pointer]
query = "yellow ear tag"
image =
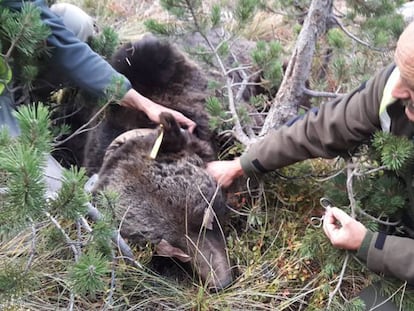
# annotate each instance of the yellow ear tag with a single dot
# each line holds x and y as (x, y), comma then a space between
(157, 144)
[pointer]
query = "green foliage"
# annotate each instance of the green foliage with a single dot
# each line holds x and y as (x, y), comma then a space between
(382, 194)
(215, 15)
(5, 138)
(340, 68)
(207, 57)
(180, 8)
(267, 56)
(154, 26)
(351, 305)
(355, 304)
(22, 36)
(15, 281)
(359, 68)
(245, 10)
(336, 38)
(107, 200)
(72, 200)
(372, 8)
(269, 240)
(224, 49)
(22, 162)
(28, 74)
(216, 111)
(379, 195)
(5, 73)
(114, 92)
(293, 8)
(106, 42)
(313, 243)
(24, 30)
(88, 277)
(214, 107)
(395, 152)
(25, 184)
(383, 28)
(380, 23)
(34, 123)
(102, 233)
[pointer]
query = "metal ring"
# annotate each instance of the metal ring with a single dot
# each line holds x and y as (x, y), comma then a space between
(326, 203)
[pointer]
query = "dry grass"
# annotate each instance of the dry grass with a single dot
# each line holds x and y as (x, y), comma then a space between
(265, 243)
(268, 26)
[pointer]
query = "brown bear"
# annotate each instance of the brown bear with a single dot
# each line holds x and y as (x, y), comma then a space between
(169, 200)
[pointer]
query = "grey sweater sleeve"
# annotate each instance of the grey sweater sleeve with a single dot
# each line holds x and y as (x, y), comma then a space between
(74, 59)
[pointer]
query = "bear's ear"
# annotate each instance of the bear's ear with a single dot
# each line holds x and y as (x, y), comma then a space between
(175, 138)
(121, 139)
(169, 123)
(164, 248)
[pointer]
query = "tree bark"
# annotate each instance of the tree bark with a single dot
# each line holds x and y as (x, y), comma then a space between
(292, 88)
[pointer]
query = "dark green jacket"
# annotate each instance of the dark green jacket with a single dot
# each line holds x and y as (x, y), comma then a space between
(72, 58)
(336, 129)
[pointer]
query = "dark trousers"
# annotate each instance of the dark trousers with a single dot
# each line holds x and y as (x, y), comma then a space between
(52, 169)
(7, 120)
(373, 299)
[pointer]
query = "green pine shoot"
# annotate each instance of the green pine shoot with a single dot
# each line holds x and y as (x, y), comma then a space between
(89, 276)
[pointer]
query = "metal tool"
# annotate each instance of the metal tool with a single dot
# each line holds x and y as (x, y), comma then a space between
(318, 221)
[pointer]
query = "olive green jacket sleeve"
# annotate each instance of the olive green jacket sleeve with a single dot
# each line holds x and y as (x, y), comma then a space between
(390, 255)
(333, 130)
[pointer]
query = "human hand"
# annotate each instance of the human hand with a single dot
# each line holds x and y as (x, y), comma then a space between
(225, 172)
(153, 110)
(156, 110)
(348, 234)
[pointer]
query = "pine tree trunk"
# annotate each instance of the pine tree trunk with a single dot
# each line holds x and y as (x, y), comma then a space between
(291, 91)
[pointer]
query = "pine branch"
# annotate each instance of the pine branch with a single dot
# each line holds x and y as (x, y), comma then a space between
(377, 220)
(339, 283)
(71, 301)
(123, 247)
(25, 31)
(69, 241)
(32, 248)
(350, 175)
(109, 299)
(350, 172)
(84, 127)
(320, 93)
(349, 34)
(238, 129)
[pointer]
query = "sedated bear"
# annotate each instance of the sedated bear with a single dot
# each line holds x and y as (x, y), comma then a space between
(168, 200)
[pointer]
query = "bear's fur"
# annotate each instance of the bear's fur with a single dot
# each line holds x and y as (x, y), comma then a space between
(170, 201)
(159, 71)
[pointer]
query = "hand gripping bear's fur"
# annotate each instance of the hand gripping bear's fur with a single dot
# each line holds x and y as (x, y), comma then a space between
(170, 201)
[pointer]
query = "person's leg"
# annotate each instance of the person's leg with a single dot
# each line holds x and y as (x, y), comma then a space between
(373, 299)
(53, 170)
(7, 120)
(75, 19)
